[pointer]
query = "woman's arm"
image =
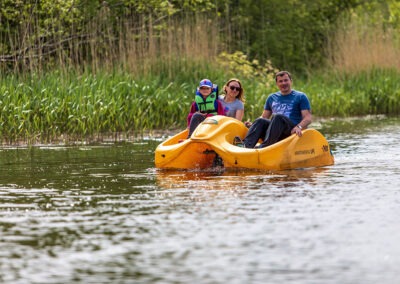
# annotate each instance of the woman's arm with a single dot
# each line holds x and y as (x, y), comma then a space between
(239, 114)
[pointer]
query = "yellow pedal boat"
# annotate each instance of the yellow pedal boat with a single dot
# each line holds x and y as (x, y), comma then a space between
(216, 135)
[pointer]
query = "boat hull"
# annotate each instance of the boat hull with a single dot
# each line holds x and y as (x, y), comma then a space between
(215, 137)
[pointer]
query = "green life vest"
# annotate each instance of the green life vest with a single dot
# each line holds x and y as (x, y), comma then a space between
(208, 105)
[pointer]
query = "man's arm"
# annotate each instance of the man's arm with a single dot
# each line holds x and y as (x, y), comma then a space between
(266, 114)
(307, 118)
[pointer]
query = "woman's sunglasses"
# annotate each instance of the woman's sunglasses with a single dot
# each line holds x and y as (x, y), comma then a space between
(235, 88)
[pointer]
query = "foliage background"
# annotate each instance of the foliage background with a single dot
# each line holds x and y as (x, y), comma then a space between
(82, 68)
(291, 34)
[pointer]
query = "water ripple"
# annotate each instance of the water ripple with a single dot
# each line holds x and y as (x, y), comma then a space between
(104, 215)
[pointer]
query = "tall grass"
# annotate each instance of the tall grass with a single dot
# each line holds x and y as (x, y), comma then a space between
(138, 45)
(100, 84)
(88, 106)
(147, 81)
(68, 107)
(358, 47)
(362, 76)
(375, 91)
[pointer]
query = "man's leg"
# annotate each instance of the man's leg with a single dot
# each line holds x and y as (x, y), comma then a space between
(279, 128)
(256, 131)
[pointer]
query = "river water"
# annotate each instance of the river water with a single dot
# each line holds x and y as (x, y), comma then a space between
(104, 214)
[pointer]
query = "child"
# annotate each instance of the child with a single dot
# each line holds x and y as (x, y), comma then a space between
(206, 104)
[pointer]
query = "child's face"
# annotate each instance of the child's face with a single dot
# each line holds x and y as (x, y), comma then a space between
(205, 91)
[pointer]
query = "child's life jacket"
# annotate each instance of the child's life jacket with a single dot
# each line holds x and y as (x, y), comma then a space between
(208, 105)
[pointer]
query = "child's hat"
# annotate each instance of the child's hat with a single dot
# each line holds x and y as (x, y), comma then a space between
(205, 83)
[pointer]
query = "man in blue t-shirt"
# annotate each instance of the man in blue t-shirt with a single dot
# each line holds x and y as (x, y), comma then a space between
(290, 111)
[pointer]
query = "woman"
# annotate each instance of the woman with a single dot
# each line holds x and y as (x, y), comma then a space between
(233, 99)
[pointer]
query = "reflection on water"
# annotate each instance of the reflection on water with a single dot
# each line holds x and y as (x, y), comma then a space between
(234, 179)
(103, 214)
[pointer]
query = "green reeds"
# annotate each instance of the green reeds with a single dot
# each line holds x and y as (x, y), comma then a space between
(69, 107)
(48, 107)
(376, 91)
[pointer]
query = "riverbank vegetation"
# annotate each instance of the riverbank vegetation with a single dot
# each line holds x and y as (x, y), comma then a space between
(72, 70)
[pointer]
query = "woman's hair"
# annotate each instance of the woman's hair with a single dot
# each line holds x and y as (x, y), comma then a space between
(240, 96)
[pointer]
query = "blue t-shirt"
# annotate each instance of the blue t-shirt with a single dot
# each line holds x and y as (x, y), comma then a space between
(289, 105)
